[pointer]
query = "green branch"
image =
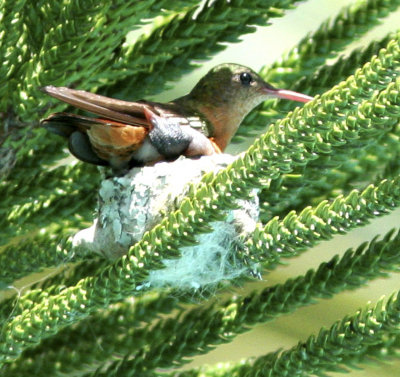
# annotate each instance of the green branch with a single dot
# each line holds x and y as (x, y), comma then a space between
(329, 40)
(46, 186)
(332, 350)
(24, 219)
(122, 279)
(196, 35)
(196, 331)
(70, 36)
(82, 320)
(56, 197)
(324, 78)
(254, 168)
(364, 126)
(96, 335)
(54, 283)
(32, 255)
(295, 233)
(12, 46)
(89, 39)
(210, 15)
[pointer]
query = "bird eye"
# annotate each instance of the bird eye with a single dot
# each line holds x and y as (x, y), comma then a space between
(246, 78)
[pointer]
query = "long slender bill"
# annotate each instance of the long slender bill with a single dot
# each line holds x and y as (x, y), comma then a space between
(288, 94)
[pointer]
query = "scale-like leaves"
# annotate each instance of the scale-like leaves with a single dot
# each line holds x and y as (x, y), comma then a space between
(307, 165)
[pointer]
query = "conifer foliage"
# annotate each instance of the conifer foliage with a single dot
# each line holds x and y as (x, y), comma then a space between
(322, 169)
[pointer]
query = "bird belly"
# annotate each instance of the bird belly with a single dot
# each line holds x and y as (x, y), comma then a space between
(147, 152)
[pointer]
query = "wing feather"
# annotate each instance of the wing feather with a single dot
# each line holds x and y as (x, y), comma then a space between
(118, 110)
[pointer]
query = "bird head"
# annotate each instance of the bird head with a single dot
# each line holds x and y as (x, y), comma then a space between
(233, 85)
(228, 92)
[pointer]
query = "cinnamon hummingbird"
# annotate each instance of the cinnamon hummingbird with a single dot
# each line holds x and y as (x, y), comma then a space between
(126, 134)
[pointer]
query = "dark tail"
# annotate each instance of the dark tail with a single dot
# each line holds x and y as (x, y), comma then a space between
(73, 127)
(64, 124)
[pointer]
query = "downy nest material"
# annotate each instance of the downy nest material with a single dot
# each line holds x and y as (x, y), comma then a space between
(131, 205)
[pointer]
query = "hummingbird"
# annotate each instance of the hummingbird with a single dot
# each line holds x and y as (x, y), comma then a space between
(126, 134)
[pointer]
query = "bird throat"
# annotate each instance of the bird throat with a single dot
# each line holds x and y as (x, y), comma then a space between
(224, 123)
(223, 116)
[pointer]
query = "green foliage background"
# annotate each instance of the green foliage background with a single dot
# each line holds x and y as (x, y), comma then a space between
(323, 169)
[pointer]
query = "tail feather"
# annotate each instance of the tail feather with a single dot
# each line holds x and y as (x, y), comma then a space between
(110, 108)
(64, 124)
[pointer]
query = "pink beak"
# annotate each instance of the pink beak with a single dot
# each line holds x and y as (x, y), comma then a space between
(286, 94)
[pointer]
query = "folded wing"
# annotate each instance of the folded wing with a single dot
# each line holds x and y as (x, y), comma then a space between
(117, 110)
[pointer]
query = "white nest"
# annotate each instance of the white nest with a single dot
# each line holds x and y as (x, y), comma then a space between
(131, 205)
